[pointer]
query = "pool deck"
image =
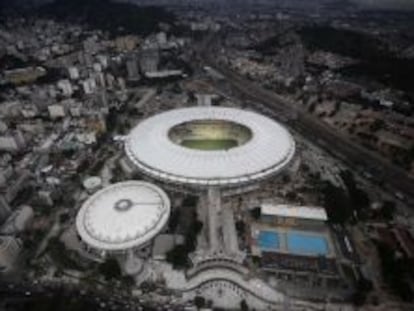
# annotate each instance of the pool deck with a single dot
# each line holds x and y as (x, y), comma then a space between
(283, 246)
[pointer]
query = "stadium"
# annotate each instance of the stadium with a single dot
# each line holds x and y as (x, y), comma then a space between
(210, 146)
(122, 217)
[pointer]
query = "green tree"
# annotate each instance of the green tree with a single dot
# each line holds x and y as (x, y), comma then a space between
(336, 203)
(244, 306)
(256, 212)
(110, 269)
(396, 271)
(387, 210)
(199, 301)
(363, 287)
(178, 257)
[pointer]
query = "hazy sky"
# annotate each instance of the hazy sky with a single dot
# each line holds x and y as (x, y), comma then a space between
(394, 4)
(384, 4)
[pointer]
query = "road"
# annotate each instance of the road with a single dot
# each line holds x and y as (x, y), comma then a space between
(357, 157)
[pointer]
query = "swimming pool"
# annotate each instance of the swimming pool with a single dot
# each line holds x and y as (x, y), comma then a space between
(303, 244)
(268, 240)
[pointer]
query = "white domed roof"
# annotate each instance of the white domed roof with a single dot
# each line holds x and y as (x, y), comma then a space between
(268, 151)
(123, 216)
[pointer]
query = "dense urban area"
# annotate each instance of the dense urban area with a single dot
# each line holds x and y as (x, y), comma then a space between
(87, 87)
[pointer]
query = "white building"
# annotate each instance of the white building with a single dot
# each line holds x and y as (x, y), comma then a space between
(149, 60)
(5, 174)
(161, 38)
(132, 68)
(89, 86)
(18, 221)
(3, 127)
(29, 111)
(103, 60)
(66, 87)
(88, 138)
(290, 214)
(97, 67)
(10, 248)
(56, 111)
(73, 73)
(92, 184)
(204, 100)
(12, 141)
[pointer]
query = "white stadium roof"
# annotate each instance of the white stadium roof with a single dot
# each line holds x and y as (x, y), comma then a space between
(269, 151)
(123, 216)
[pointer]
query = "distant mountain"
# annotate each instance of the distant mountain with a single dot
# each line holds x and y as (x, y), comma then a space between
(107, 15)
(386, 4)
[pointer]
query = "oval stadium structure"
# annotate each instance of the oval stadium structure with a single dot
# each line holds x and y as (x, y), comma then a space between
(210, 146)
(123, 216)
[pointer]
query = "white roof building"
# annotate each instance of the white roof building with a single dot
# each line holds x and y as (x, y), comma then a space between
(268, 150)
(91, 184)
(18, 221)
(56, 111)
(10, 248)
(123, 216)
(303, 212)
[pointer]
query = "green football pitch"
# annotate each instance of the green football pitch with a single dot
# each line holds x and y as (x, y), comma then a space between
(209, 144)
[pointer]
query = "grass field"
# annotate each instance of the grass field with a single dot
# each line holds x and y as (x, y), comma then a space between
(209, 144)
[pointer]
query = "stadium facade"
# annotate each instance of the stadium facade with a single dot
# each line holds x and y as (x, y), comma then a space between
(210, 146)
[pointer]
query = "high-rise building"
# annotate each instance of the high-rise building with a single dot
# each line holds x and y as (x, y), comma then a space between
(149, 60)
(132, 68)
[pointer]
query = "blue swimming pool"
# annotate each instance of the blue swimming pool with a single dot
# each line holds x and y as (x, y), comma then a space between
(268, 240)
(300, 243)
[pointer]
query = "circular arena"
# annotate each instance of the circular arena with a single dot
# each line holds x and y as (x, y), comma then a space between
(210, 146)
(123, 216)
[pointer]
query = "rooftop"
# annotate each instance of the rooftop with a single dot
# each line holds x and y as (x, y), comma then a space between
(269, 150)
(304, 212)
(123, 216)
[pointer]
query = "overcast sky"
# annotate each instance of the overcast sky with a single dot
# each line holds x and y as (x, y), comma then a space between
(390, 4)
(384, 4)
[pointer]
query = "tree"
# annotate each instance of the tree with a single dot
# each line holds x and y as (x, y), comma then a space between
(363, 287)
(244, 306)
(240, 227)
(256, 212)
(174, 219)
(199, 301)
(377, 125)
(336, 203)
(396, 271)
(110, 269)
(178, 257)
(359, 198)
(387, 210)
(190, 201)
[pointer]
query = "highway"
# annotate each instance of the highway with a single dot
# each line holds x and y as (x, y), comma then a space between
(355, 156)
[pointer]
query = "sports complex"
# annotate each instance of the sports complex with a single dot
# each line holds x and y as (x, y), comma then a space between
(210, 146)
